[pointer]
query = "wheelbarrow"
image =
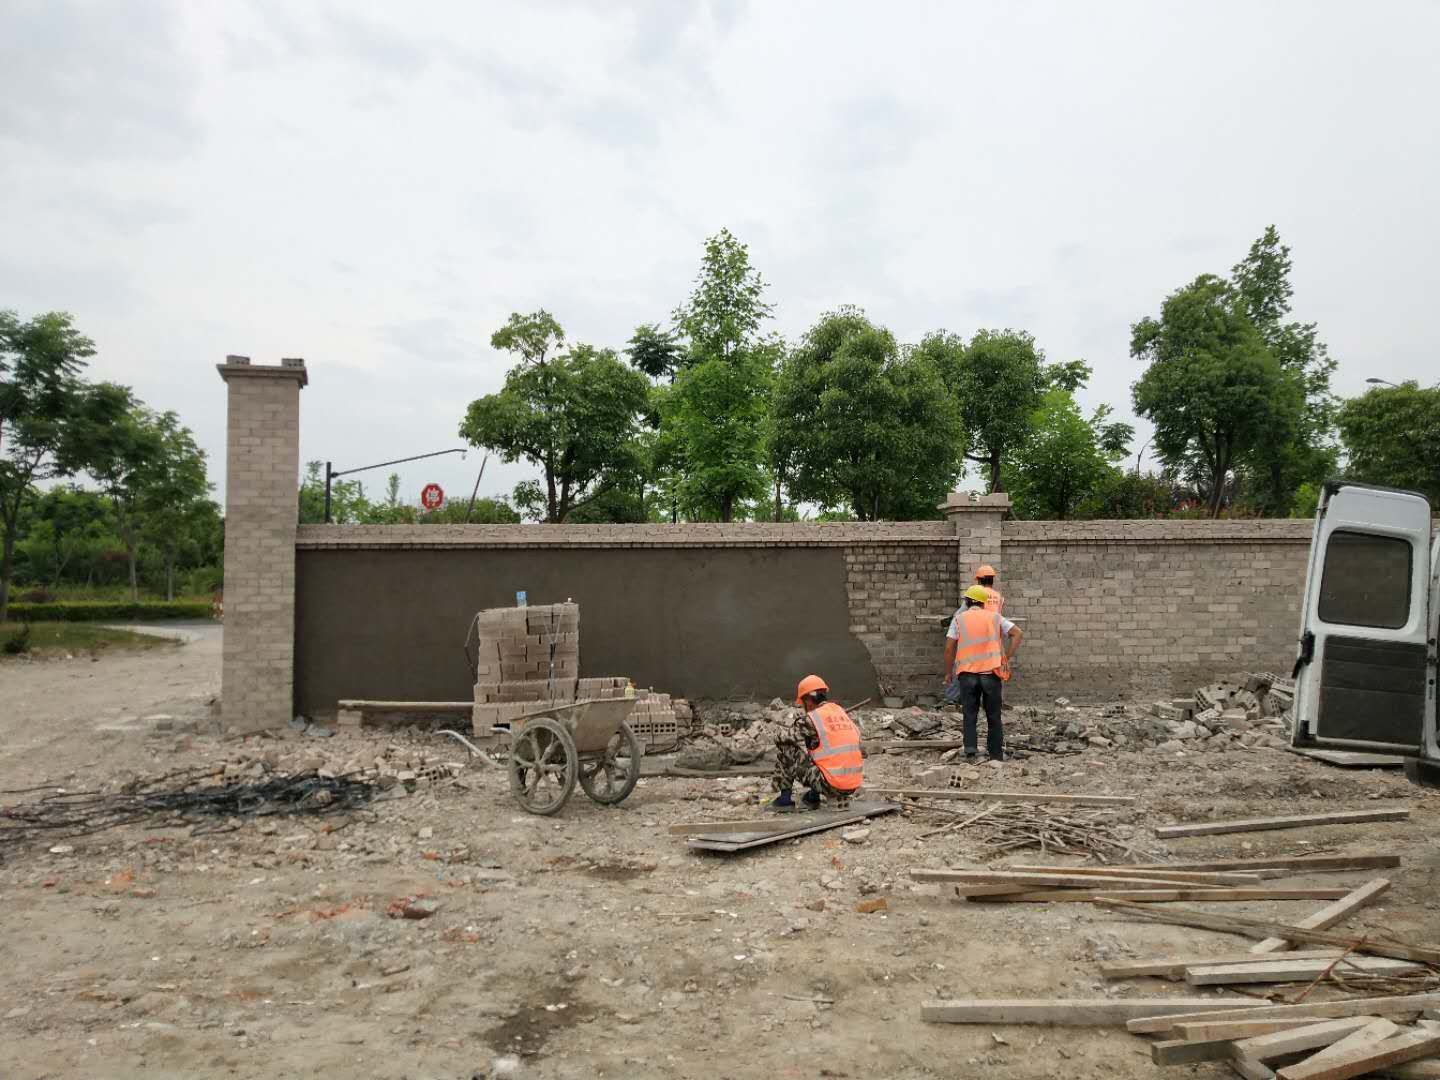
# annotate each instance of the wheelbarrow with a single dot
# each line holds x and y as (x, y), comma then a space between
(588, 741)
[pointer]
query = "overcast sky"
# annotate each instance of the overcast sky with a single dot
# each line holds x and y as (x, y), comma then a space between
(375, 187)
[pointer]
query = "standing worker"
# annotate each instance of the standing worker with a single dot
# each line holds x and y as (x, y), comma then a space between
(822, 752)
(979, 645)
(985, 578)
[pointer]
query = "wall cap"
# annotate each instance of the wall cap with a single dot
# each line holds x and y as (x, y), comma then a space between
(241, 367)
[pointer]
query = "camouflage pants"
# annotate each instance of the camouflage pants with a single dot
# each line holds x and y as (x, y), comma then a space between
(794, 768)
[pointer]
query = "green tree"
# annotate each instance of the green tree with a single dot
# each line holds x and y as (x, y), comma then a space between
(1211, 386)
(997, 386)
(45, 413)
(573, 416)
(713, 417)
(864, 424)
(1298, 447)
(1060, 464)
(531, 337)
(173, 492)
(1392, 437)
(656, 352)
(63, 527)
(486, 511)
(348, 504)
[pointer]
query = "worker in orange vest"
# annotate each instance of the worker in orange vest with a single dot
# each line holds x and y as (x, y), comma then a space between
(822, 751)
(979, 645)
(985, 578)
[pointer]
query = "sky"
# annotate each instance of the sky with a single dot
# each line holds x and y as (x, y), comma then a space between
(376, 187)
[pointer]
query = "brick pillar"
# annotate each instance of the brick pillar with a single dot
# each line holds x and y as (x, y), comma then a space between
(262, 473)
(977, 521)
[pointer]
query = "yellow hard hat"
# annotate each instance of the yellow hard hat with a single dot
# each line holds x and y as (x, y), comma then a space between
(978, 593)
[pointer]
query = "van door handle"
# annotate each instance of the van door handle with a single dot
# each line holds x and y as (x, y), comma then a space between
(1307, 653)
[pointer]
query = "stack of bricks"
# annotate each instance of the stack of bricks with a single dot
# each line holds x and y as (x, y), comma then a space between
(527, 657)
(653, 721)
(608, 686)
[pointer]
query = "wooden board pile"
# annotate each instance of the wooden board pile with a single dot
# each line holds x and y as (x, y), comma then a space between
(1393, 1030)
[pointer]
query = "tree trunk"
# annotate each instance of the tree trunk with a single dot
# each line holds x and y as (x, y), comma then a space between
(7, 567)
(777, 496)
(170, 577)
(727, 506)
(995, 484)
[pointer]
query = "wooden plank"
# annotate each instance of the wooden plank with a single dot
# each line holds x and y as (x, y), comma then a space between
(1034, 880)
(1189, 877)
(774, 823)
(1415, 1070)
(1173, 967)
(1376, 1006)
(1329, 915)
(1241, 1029)
(1156, 896)
(1376, 1031)
(1189, 1051)
(748, 841)
(1296, 821)
(1278, 971)
(1003, 796)
(1367, 1059)
(1350, 759)
(463, 707)
(1286, 862)
(1250, 1069)
(1240, 924)
(1066, 1012)
(1298, 1040)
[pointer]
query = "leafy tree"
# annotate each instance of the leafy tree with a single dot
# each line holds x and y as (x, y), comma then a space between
(997, 385)
(348, 504)
(864, 424)
(655, 352)
(1212, 387)
(1130, 495)
(62, 527)
(573, 415)
(487, 511)
(1062, 463)
(713, 417)
(45, 408)
(1297, 447)
(173, 489)
(1392, 437)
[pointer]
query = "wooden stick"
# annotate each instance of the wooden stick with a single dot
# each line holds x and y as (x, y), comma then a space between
(1258, 1010)
(1298, 1040)
(1297, 821)
(1006, 796)
(1250, 1069)
(1366, 1059)
(1241, 1029)
(1376, 1031)
(1068, 1012)
(1239, 924)
(1021, 877)
(1329, 915)
(1153, 896)
(1289, 862)
(1275, 971)
(1189, 877)
(1173, 967)
(955, 826)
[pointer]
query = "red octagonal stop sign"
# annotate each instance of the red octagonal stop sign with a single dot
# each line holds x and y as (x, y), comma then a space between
(432, 497)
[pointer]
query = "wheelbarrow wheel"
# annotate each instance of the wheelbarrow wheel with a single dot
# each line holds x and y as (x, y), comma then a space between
(543, 764)
(609, 779)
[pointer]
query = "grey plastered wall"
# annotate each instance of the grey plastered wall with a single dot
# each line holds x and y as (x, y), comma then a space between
(388, 621)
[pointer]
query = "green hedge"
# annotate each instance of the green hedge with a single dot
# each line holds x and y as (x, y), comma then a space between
(109, 611)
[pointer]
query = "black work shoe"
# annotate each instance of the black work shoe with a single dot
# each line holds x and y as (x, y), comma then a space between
(811, 799)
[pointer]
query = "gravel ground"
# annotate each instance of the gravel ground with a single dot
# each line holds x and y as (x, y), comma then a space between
(589, 944)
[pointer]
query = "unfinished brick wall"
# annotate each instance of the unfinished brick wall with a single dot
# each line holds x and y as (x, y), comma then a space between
(1119, 607)
(262, 469)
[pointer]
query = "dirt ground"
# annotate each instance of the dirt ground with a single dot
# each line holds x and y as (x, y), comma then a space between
(591, 944)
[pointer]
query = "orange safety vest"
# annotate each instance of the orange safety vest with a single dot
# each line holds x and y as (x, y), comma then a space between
(996, 603)
(838, 753)
(978, 648)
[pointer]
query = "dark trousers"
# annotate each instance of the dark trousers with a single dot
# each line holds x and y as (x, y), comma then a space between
(972, 688)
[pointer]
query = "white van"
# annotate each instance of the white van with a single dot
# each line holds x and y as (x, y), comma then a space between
(1365, 674)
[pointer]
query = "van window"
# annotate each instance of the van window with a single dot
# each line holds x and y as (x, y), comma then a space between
(1366, 581)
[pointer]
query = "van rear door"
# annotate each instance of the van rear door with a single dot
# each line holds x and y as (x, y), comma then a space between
(1362, 670)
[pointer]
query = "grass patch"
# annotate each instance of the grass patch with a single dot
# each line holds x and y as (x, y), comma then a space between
(55, 638)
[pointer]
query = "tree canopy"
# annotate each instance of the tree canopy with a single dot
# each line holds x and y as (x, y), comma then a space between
(1392, 437)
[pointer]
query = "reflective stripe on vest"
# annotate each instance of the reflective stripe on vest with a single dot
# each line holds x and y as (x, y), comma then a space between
(837, 754)
(977, 646)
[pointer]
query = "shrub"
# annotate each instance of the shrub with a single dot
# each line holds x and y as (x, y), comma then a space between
(18, 642)
(110, 611)
(38, 595)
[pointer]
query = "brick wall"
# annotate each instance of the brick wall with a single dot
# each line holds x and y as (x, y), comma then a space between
(1112, 608)
(262, 466)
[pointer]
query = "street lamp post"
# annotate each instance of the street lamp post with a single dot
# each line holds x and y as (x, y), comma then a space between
(331, 474)
(1382, 382)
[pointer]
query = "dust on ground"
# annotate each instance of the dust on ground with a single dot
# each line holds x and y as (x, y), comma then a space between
(590, 944)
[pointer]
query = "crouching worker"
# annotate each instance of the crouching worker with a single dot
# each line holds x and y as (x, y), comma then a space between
(822, 752)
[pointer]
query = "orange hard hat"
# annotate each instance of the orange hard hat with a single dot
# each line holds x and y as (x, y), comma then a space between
(808, 685)
(985, 571)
